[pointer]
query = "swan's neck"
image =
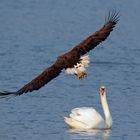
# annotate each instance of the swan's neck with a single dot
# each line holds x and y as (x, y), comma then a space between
(108, 118)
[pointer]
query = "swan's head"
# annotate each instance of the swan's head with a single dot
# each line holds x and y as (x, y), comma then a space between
(102, 91)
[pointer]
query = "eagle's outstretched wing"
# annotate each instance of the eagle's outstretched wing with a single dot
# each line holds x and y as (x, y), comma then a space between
(92, 41)
(68, 59)
(46, 76)
(71, 58)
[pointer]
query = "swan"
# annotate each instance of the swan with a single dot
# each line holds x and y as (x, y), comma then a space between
(89, 118)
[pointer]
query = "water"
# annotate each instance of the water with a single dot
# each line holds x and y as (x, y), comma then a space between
(33, 33)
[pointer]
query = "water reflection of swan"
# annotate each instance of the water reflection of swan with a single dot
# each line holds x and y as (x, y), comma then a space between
(89, 134)
(89, 118)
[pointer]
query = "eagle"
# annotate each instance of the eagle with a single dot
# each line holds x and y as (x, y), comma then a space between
(74, 62)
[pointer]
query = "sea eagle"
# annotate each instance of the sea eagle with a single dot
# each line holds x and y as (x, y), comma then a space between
(73, 62)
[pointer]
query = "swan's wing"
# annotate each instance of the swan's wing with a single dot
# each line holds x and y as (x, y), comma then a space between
(92, 41)
(38, 82)
(86, 112)
(87, 115)
(75, 124)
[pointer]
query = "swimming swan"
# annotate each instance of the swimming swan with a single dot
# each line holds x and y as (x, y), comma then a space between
(89, 118)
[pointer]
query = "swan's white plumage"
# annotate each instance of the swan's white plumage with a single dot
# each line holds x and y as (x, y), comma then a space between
(88, 117)
(84, 116)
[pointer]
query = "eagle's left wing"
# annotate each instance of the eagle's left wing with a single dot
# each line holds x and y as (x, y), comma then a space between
(38, 82)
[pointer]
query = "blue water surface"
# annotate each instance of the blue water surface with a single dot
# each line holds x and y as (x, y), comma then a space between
(33, 33)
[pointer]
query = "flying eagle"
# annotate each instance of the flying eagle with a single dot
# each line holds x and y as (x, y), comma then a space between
(73, 62)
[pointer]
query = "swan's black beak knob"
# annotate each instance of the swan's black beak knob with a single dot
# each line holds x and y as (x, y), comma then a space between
(102, 90)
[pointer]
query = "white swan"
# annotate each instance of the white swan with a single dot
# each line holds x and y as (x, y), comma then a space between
(89, 118)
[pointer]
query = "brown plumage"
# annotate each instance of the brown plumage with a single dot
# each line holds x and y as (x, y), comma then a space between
(69, 59)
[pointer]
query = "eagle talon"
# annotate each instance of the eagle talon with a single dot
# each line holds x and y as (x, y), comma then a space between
(79, 77)
(82, 75)
(85, 74)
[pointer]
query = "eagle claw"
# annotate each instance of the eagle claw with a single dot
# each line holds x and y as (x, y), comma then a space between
(82, 75)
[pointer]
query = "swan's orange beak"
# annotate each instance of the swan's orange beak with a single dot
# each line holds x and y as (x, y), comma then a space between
(102, 91)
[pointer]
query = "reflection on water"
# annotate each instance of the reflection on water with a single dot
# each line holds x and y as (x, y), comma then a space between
(89, 134)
